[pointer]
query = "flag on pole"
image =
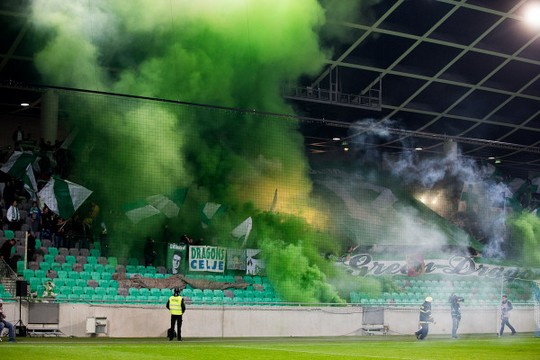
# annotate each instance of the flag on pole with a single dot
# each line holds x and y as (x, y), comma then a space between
(209, 211)
(63, 197)
(165, 205)
(30, 184)
(18, 163)
(139, 211)
(241, 232)
(274, 202)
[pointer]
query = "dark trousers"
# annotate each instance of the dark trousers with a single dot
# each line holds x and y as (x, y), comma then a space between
(178, 320)
(455, 325)
(422, 333)
(505, 322)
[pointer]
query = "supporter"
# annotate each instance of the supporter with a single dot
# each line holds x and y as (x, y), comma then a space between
(177, 308)
(47, 223)
(149, 252)
(9, 193)
(31, 246)
(5, 250)
(7, 324)
(18, 137)
(14, 217)
(35, 217)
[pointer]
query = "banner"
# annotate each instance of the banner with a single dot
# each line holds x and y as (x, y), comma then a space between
(364, 264)
(176, 254)
(236, 259)
(207, 258)
(254, 263)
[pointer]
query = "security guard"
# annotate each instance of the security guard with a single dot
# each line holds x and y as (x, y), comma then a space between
(177, 307)
(425, 319)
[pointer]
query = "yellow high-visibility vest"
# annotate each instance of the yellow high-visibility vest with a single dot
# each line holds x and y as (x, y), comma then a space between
(175, 305)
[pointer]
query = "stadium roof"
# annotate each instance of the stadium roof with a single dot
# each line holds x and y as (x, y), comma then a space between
(467, 71)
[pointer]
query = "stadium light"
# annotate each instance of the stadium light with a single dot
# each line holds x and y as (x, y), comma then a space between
(532, 14)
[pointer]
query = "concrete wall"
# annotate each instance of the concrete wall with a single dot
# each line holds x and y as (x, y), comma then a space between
(203, 321)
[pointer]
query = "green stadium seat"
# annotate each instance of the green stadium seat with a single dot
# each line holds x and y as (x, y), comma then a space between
(106, 276)
(111, 291)
(62, 274)
(208, 292)
(89, 290)
(77, 290)
(155, 292)
(80, 282)
(132, 298)
(113, 284)
(119, 298)
(58, 282)
(97, 298)
(133, 291)
(28, 274)
(71, 282)
(73, 275)
(85, 275)
(218, 293)
(101, 291)
(52, 251)
(45, 266)
(153, 299)
(186, 293)
(71, 259)
(48, 258)
(130, 269)
(167, 292)
(63, 289)
(61, 298)
(113, 261)
(40, 273)
(99, 268)
(95, 275)
(74, 297)
(144, 292)
(133, 261)
(91, 260)
(88, 267)
(95, 252)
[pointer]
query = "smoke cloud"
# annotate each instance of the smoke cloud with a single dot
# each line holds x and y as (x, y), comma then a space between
(232, 54)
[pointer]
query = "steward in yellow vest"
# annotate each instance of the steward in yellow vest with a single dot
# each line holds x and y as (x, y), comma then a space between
(176, 307)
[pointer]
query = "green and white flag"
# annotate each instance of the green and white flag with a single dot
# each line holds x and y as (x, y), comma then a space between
(241, 232)
(165, 205)
(209, 211)
(63, 197)
(139, 211)
(30, 184)
(18, 163)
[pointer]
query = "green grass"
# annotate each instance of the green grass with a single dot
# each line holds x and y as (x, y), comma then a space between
(522, 346)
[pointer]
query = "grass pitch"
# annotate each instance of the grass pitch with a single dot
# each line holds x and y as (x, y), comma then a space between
(522, 346)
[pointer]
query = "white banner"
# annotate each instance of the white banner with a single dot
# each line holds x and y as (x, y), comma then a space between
(207, 258)
(364, 264)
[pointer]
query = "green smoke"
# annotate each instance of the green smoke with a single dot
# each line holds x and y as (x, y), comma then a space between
(227, 53)
(525, 229)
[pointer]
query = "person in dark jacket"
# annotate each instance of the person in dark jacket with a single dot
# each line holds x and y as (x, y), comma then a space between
(506, 307)
(455, 311)
(177, 308)
(425, 319)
